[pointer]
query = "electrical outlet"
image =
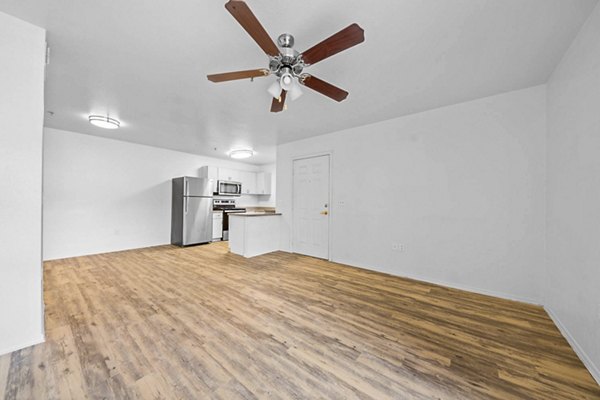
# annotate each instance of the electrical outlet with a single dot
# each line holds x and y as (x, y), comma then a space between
(398, 247)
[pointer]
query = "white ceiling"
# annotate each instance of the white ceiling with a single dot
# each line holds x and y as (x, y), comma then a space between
(145, 63)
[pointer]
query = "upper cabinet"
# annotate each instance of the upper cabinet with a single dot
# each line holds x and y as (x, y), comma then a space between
(226, 174)
(256, 183)
(209, 173)
(263, 183)
(248, 182)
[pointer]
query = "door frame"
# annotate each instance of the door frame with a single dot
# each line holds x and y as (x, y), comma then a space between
(330, 196)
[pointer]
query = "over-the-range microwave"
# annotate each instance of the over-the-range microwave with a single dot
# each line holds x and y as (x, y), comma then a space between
(228, 188)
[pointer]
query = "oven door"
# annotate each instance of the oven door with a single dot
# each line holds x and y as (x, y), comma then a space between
(228, 188)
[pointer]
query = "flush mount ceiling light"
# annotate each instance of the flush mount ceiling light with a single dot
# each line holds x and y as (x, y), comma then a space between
(104, 121)
(241, 153)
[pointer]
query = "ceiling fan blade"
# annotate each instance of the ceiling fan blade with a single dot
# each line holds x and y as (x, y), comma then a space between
(231, 76)
(324, 88)
(242, 13)
(278, 104)
(344, 39)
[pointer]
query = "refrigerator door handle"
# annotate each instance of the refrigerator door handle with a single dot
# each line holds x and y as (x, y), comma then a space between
(185, 205)
(186, 189)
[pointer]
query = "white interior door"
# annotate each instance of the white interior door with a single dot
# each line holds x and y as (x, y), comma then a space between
(311, 206)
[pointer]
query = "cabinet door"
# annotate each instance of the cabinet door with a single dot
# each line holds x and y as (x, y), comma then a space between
(248, 182)
(263, 183)
(268, 178)
(260, 183)
(226, 174)
(222, 174)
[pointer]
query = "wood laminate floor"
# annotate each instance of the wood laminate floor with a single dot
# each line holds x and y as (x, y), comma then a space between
(201, 323)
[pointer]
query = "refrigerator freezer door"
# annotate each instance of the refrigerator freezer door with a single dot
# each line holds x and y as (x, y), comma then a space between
(197, 220)
(197, 187)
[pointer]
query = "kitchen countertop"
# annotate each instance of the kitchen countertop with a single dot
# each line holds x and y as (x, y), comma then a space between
(254, 214)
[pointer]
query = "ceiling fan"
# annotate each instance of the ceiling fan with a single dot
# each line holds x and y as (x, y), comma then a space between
(285, 62)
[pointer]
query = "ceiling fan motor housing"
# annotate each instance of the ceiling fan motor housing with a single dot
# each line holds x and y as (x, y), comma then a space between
(288, 56)
(289, 60)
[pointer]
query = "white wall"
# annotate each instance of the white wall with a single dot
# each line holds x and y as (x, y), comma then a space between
(573, 235)
(461, 187)
(22, 50)
(103, 195)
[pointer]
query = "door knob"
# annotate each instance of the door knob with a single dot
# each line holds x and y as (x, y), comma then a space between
(324, 212)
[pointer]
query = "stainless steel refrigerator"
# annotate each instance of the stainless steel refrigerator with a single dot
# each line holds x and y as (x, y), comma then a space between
(191, 213)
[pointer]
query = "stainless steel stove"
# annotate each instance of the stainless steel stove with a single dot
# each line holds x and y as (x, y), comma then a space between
(228, 207)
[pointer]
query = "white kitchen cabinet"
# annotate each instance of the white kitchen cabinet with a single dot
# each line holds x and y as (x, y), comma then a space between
(246, 178)
(263, 183)
(248, 182)
(226, 174)
(256, 183)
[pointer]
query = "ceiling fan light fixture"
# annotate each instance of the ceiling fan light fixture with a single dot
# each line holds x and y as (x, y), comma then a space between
(287, 81)
(104, 121)
(275, 89)
(241, 153)
(295, 91)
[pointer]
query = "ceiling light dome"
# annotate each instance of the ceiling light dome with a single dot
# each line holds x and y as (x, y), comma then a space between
(241, 153)
(104, 121)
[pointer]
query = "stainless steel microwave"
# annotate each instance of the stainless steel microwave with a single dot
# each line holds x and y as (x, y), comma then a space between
(229, 188)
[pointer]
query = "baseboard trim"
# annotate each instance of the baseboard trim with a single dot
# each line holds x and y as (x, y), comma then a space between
(447, 284)
(33, 342)
(585, 359)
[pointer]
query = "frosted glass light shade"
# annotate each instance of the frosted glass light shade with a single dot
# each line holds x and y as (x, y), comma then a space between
(286, 81)
(295, 91)
(275, 89)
